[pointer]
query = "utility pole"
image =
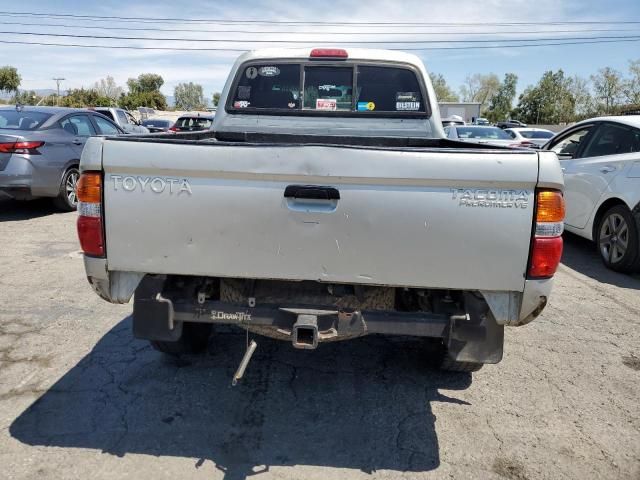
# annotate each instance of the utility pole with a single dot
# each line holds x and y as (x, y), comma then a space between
(58, 80)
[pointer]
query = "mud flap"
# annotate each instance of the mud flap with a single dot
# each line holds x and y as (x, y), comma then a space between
(152, 314)
(478, 338)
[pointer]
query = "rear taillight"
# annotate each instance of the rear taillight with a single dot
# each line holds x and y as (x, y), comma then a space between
(546, 249)
(90, 228)
(173, 129)
(20, 147)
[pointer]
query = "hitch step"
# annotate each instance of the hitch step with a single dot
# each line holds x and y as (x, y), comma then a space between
(305, 332)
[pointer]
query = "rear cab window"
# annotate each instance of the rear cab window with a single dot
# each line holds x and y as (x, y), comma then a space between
(330, 88)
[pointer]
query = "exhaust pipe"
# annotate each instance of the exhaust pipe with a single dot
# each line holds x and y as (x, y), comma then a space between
(305, 332)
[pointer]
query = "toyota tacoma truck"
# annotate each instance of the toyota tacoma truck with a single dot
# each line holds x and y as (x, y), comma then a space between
(325, 204)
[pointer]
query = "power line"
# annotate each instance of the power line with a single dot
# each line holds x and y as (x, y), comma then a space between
(289, 32)
(180, 49)
(301, 22)
(319, 41)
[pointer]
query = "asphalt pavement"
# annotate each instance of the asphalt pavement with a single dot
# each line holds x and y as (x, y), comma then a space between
(81, 398)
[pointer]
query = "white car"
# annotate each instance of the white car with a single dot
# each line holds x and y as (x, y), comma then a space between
(530, 137)
(480, 134)
(600, 158)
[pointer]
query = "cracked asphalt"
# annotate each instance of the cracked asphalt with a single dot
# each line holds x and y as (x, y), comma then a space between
(80, 398)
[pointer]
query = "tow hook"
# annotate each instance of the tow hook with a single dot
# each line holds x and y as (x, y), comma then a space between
(305, 332)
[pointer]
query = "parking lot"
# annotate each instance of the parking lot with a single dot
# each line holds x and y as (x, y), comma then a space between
(80, 398)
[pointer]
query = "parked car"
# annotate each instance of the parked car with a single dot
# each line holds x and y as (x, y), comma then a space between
(481, 121)
(511, 124)
(123, 118)
(600, 158)
(156, 125)
(530, 137)
(453, 120)
(40, 150)
(192, 123)
(480, 134)
(323, 220)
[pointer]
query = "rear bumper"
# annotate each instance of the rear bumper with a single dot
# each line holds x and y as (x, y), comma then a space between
(16, 178)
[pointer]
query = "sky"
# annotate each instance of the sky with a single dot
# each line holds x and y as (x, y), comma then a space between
(82, 67)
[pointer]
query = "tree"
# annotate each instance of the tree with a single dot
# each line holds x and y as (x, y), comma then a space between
(607, 84)
(631, 86)
(81, 97)
(216, 99)
(501, 103)
(144, 91)
(146, 82)
(550, 101)
(583, 104)
(443, 92)
(9, 79)
(189, 96)
(106, 87)
(26, 98)
(155, 100)
(480, 88)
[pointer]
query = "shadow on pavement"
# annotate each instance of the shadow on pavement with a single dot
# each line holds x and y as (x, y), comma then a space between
(13, 210)
(363, 404)
(582, 256)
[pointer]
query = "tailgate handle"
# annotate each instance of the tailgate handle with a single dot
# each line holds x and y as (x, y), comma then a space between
(314, 192)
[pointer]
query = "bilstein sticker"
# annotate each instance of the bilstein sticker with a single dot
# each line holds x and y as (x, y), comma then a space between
(408, 106)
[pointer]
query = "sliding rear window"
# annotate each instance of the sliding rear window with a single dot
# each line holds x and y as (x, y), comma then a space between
(304, 88)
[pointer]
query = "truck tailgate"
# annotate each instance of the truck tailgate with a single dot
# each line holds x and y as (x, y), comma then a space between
(413, 217)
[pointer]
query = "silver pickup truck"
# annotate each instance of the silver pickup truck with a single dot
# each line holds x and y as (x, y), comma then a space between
(325, 204)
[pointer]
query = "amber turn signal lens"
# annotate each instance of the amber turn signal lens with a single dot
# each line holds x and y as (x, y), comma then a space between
(550, 206)
(89, 187)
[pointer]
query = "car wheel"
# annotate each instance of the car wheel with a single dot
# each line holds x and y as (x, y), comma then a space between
(67, 199)
(194, 339)
(617, 237)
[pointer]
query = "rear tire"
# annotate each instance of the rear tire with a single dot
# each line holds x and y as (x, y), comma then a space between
(618, 239)
(194, 339)
(67, 199)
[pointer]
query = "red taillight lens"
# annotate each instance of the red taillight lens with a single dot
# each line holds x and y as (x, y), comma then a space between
(90, 228)
(546, 249)
(90, 235)
(20, 147)
(545, 257)
(328, 53)
(173, 129)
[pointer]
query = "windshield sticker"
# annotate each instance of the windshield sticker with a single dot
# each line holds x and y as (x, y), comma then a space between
(241, 104)
(406, 97)
(291, 104)
(244, 92)
(413, 106)
(269, 71)
(326, 88)
(366, 106)
(326, 104)
(251, 73)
